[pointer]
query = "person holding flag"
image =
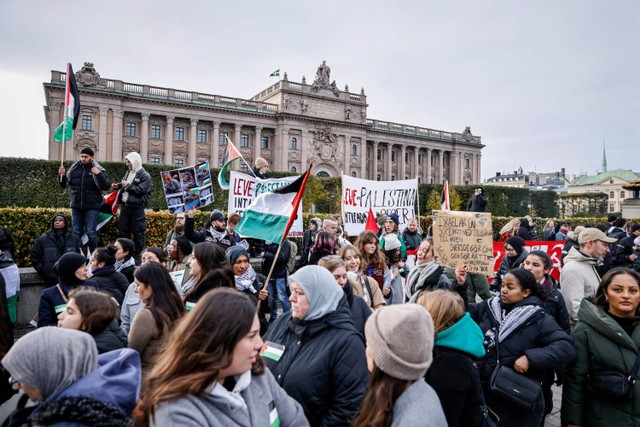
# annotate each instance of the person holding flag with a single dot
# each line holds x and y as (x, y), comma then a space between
(87, 180)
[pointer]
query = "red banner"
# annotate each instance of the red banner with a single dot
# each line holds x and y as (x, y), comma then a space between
(553, 249)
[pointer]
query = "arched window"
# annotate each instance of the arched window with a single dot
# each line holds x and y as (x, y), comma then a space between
(322, 174)
(353, 174)
(294, 143)
(354, 150)
(294, 169)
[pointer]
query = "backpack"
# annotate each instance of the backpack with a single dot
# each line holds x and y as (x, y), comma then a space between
(293, 252)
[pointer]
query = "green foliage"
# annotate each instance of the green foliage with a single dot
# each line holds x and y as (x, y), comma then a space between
(455, 201)
(434, 202)
(544, 204)
(583, 204)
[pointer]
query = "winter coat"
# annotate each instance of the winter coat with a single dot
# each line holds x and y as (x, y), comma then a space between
(139, 191)
(110, 338)
(579, 279)
(221, 278)
(86, 188)
(549, 235)
(106, 396)
(128, 268)
(624, 249)
(52, 303)
(539, 338)
(280, 270)
(360, 310)
(225, 240)
(568, 244)
(265, 306)
(366, 288)
(601, 345)
(418, 406)
(323, 366)
(130, 306)
(316, 255)
(454, 373)
(264, 398)
(411, 240)
(49, 248)
(146, 338)
(112, 281)
(403, 247)
(475, 283)
(507, 265)
(477, 203)
(556, 307)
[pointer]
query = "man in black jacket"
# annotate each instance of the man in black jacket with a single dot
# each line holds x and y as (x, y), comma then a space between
(478, 202)
(134, 198)
(51, 246)
(215, 231)
(87, 180)
(278, 280)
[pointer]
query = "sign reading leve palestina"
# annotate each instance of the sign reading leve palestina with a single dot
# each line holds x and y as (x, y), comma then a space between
(383, 197)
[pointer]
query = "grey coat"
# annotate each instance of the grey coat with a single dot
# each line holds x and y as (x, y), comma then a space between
(418, 406)
(261, 397)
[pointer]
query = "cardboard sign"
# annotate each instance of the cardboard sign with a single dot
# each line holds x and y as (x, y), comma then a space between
(358, 195)
(464, 238)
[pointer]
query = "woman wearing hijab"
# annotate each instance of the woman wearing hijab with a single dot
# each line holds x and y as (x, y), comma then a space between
(514, 256)
(249, 282)
(61, 371)
(315, 352)
(71, 270)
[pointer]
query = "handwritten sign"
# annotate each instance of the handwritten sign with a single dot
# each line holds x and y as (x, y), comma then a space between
(358, 195)
(464, 238)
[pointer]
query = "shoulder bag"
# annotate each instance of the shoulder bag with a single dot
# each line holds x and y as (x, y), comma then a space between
(612, 384)
(516, 388)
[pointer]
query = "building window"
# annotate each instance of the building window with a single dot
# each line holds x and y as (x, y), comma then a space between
(179, 134)
(223, 138)
(155, 131)
(244, 140)
(433, 162)
(293, 145)
(420, 158)
(354, 150)
(154, 160)
(202, 136)
(612, 207)
(622, 194)
(379, 155)
(294, 169)
(178, 162)
(87, 122)
(393, 177)
(264, 143)
(378, 177)
(467, 164)
(406, 157)
(393, 156)
(611, 194)
(353, 174)
(244, 167)
(130, 129)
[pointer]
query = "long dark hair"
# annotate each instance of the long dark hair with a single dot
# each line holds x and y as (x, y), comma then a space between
(528, 281)
(377, 407)
(199, 348)
(106, 255)
(601, 299)
(97, 308)
(213, 262)
(165, 303)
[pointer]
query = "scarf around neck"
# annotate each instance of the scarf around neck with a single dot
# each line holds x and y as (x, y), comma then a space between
(508, 322)
(245, 281)
(418, 276)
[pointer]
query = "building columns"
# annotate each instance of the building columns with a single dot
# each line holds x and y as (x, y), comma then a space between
(454, 168)
(403, 164)
(236, 141)
(363, 158)
(193, 134)
(427, 170)
(256, 144)
(54, 147)
(101, 154)
(214, 161)
(374, 166)
(416, 165)
(389, 162)
(144, 138)
(168, 142)
(116, 143)
(440, 166)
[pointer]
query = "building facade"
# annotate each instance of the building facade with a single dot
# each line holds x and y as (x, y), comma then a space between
(608, 182)
(289, 124)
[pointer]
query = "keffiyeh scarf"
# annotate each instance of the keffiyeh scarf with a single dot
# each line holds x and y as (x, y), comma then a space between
(245, 281)
(509, 322)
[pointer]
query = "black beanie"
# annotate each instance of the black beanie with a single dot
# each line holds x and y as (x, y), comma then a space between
(516, 243)
(184, 245)
(87, 150)
(67, 265)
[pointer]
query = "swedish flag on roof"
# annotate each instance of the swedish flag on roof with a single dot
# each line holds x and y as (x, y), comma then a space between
(276, 73)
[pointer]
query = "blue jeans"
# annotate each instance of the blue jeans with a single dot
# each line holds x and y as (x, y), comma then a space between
(86, 219)
(281, 286)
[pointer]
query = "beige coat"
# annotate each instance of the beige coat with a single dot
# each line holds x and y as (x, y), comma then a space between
(374, 301)
(145, 337)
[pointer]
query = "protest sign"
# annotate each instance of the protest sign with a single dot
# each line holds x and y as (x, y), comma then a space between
(358, 195)
(244, 188)
(553, 249)
(464, 238)
(187, 188)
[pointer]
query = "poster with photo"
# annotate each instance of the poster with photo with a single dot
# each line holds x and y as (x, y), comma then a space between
(187, 188)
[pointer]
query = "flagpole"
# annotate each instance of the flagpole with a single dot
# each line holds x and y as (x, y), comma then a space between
(241, 156)
(67, 90)
(418, 197)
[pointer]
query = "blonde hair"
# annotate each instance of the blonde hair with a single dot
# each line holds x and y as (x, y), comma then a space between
(510, 226)
(331, 263)
(446, 308)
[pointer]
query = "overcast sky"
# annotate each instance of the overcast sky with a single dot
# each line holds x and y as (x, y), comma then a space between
(543, 82)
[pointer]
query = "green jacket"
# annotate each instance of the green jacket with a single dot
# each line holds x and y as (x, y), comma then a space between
(476, 283)
(601, 344)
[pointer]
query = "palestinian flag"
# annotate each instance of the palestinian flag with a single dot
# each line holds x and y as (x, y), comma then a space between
(108, 210)
(271, 215)
(230, 154)
(64, 132)
(445, 197)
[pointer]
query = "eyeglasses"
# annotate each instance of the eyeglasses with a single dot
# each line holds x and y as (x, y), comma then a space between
(508, 249)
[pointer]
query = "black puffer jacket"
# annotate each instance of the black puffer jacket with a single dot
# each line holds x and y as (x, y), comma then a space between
(110, 338)
(225, 240)
(265, 306)
(86, 188)
(49, 248)
(112, 281)
(52, 303)
(324, 365)
(280, 270)
(139, 191)
(360, 310)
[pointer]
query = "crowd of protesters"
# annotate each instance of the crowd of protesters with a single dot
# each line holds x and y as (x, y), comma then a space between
(367, 331)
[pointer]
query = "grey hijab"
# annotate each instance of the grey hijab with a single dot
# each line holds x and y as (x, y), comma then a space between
(321, 290)
(51, 359)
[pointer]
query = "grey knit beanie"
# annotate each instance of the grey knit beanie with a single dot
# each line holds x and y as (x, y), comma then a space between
(400, 339)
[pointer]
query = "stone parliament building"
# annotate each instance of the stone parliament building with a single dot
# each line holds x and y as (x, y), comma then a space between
(289, 124)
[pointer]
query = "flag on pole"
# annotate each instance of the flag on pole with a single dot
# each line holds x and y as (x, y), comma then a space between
(445, 197)
(276, 73)
(271, 215)
(108, 210)
(372, 224)
(230, 154)
(64, 132)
